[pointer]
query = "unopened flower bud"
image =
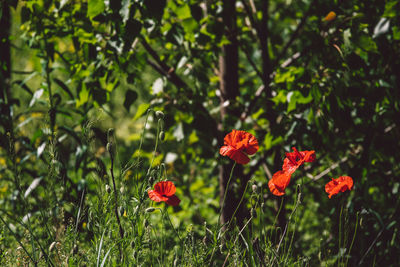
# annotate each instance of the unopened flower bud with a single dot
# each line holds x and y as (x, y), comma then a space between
(162, 136)
(151, 209)
(121, 211)
(254, 188)
(110, 148)
(108, 188)
(160, 114)
(52, 245)
(151, 180)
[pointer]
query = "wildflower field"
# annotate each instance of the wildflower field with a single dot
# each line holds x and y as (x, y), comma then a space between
(199, 133)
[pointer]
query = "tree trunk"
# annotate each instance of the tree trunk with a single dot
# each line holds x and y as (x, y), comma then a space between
(229, 88)
(5, 65)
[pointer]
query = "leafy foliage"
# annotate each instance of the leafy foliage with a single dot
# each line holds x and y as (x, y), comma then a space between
(79, 68)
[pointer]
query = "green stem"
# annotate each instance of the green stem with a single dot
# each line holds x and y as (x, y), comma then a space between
(121, 231)
(240, 202)
(225, 193)
(352, 241)
(170, 222)
(340, 231)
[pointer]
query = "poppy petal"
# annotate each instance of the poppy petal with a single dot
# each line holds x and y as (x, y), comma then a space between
(239, 157)
(309, 156)
(296, 158)
(230, 138)
(234, 154)
(165, 188)
(173, 200)
(278, 183)
(341, 184)
(252, 145)
(225, 150)
(153, 195)
(288, 166)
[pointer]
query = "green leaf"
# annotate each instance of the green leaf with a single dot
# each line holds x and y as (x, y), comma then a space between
(366, 43)
(83, 96)
(390, 9)
(183, 12)
(141, 110)
(296, 97)
(396, 33)
(130, 97)
(95, 7)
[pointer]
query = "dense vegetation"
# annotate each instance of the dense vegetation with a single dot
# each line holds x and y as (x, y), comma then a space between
(101, 100)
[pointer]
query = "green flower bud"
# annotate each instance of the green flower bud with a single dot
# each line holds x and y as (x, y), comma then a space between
(151, 209)
(160, 114)
(162, 136)
(108, 188)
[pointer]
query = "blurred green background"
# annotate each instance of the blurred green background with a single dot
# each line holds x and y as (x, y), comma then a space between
(281, 70)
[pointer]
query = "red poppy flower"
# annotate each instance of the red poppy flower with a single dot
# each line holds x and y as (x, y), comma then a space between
(239, 144)
(280, 180)
(164, 191)
(338, 185)
(296, 158)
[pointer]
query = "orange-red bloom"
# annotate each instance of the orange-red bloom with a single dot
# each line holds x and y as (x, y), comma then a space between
(239, 144)
(338, 185)
(296, 158)
(164, 191)
(280, 180)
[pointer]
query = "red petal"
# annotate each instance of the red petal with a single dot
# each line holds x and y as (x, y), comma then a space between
(279, 181)
(309, 156)
(239, 157)
(153, 195)
(225, 150)
(173, 200)
(234, 154)
(252, 145)
(338, 185)
(165, 188)
(242, 140)
(230, 138)
(288, 166)
(295, 159)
